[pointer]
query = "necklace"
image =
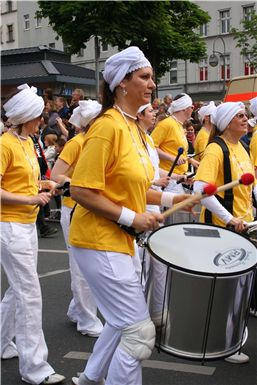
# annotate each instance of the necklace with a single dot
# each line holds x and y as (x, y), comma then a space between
(142, 152)
(174, 117)
(124, 113)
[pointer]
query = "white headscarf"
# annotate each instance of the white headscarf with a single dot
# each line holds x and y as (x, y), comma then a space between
(252, 122)
(144, 107)
(24, 106)
(206, 110)
(225, 112)
(121, 64)
(180, 104)
(253, 106)
(85, 112)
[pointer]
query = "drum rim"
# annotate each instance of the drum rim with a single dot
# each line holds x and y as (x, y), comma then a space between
(201, 273)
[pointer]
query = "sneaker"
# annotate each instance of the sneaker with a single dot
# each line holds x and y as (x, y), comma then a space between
(238, 358)
(89, 334)
(53, 379)
(83, 380)
(10, 352)
(48, 232)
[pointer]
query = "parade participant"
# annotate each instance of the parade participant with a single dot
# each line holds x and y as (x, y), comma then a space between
(21, 307)
(110, 184)
(253, 143)
(234, 208)
(82, 309)
(202, 136)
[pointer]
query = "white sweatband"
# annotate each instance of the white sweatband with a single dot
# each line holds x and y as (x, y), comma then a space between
(127, 217)
(167, 199)
(212, 203)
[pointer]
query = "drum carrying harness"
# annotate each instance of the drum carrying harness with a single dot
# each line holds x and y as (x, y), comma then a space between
(228, 199)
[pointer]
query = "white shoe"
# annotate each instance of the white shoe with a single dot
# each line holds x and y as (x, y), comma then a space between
(89, 334)
(238, 358)
(53, 379)
(83, 380)
(10, 352)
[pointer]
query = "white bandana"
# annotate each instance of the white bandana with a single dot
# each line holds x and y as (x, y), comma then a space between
(253, 106)
(85, 112)
(180, 104)
(144, 107)
(24, 106)
(252, 122)
(225, 112)
(206, 110)
(121, 64)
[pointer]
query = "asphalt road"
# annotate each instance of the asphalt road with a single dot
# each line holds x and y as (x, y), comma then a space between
(68, 350)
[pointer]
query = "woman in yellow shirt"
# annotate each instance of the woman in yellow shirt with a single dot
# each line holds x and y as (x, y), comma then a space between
(202, 136)
(21, 307)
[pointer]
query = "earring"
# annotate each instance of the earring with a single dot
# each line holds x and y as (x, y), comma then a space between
(125, 92)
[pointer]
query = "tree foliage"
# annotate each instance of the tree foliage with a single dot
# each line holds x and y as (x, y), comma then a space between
(163, 30)
(247, 39)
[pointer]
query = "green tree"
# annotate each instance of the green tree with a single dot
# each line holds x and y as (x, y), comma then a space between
(247, 39)
(163, 30)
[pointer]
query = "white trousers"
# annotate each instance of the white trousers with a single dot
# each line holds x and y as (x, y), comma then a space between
(116, 286)
(82, 308)
(21, 307)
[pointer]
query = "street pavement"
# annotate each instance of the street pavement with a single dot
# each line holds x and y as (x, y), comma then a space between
(69, 350)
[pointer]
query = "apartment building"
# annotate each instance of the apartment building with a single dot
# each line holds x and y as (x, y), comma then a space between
(22, 29)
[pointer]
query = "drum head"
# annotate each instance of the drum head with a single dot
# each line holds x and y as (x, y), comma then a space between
(203, 249)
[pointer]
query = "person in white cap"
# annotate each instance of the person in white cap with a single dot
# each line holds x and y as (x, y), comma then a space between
(111, 185)
(21, 307)
(202, 136)
(230, 122)
(82, 309)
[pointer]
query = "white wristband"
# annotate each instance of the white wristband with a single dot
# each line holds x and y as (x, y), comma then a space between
(126, 217)
(167, 199)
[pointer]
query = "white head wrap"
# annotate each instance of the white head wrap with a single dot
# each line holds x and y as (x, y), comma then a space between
(206, 110)
(144, 107)
(252, 122)
(253, 106)
(180, 104)
(225, 112)
(24, 106)
(85, 112)
(121, 64)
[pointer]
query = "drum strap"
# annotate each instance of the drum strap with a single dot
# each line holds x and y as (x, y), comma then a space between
(227, 201)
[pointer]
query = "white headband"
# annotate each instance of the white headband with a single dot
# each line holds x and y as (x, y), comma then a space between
(85, 112)
(253, 106)
(206, 110)
(252, 122)
(121, 64)
(24, 106)
(144, 107)
(180, 104)
(225, 112)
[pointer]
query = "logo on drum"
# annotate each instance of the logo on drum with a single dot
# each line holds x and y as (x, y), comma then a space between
(230, 257)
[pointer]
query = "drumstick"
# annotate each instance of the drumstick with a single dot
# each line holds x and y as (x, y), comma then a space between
(208, 190)
(246, 179)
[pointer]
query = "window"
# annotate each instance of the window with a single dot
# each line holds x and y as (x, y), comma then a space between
(225, 70)
(52, 45)
(80, 53)
(247, 12)
(203, 70)
(249, 68)
(10, 36)
(9, 6)
(173, 73)
(38, 22)
(104, 46)
(225, 21)
(26, 22)
(203, 30)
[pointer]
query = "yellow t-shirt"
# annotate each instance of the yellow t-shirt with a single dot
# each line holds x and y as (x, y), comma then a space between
(20, 172)
(110, 163)
(169, 135)
(70, 155)
(253, 147)
(211, 171)
(201, 142)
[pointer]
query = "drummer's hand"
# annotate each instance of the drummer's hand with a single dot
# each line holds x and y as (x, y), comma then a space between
(147, 221)
(181, 161)
(162, 182)
(48, 185)
(238, 224)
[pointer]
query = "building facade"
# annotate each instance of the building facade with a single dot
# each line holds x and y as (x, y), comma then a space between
(21, 28)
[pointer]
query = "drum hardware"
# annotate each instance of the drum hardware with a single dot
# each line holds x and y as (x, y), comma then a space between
(183, 180)
(65, 188)
(180, 152)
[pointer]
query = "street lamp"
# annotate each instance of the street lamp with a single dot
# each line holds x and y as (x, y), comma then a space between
(214, 60)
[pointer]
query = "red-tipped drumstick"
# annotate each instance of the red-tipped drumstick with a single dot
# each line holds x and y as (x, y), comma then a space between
(246, 179)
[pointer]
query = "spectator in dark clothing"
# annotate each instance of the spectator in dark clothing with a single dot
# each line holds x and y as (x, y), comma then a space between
(51, 110)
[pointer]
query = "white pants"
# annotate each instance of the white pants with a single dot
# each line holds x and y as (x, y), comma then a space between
(82, 308)
(21, 307)
(119, 296)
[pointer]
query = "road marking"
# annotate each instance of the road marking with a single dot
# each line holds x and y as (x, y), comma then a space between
(55, 272)
(52, 251)
(196, 369)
